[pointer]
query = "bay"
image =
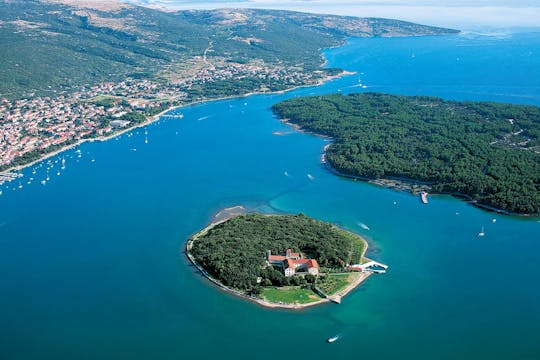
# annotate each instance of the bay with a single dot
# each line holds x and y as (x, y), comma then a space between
(92, 263)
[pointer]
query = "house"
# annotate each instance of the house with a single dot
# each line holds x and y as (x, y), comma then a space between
(292, 263)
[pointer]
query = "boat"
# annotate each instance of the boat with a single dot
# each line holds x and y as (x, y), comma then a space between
(482, 233)
(423, 197)
(332, 339)
(363, 226)
(310, 177)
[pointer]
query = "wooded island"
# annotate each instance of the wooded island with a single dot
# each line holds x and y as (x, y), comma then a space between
(280, 259)
(485, 151)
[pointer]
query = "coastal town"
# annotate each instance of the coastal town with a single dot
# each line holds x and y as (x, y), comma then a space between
(32, 127)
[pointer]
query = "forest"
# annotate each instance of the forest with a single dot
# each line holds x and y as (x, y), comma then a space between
(234, 252)
(485, 151)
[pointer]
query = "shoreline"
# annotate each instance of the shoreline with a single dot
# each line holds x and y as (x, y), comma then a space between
(411, 186)
(153, 118)
(229, 214)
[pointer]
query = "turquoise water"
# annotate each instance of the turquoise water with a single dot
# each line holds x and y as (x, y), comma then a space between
(92, 266)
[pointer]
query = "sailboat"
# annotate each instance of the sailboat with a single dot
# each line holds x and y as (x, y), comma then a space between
(481, 233)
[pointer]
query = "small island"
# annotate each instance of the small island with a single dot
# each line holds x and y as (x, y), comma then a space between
(287, 261)
(486, 152)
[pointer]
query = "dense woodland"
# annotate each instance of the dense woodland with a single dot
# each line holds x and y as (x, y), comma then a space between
(487, 151)
(234, 251)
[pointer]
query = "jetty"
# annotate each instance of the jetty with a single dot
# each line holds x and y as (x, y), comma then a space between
(370, 266)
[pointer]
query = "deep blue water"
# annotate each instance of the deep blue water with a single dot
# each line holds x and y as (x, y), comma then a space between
(91, 264)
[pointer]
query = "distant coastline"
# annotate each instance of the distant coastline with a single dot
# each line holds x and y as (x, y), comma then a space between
(229, 213)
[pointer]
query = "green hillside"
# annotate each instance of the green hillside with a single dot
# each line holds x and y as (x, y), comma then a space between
(50, 47)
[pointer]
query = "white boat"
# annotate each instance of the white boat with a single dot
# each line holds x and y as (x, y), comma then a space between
(310, 177)
(332, 339)
(423, 197)
(482, 233)
(363, 226)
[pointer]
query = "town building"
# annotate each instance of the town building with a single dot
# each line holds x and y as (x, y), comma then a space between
(292, 263)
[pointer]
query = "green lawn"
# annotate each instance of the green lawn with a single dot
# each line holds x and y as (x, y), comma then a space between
(334, 283)
(289, 295)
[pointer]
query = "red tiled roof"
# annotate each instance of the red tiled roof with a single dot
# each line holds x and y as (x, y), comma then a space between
(276, 258)
(288, 263)
(312, 263)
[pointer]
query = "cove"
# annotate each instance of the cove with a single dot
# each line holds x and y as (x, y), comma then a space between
(92, 263)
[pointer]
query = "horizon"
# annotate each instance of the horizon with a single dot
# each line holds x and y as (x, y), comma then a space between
(466, 15)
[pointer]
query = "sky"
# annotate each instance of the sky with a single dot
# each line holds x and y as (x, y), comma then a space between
(463, 14)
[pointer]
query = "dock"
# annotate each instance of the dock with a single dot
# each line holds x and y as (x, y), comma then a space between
(370, 266)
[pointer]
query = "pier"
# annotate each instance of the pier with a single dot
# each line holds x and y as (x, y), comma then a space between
(371, 266)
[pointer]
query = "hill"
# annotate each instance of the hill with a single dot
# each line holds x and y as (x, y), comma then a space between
(76, 70)
(489, 152)
(57, 46)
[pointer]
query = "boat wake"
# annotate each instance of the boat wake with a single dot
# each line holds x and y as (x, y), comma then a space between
(363, 226)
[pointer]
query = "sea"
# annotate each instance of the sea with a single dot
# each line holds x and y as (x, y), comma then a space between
(92, 264)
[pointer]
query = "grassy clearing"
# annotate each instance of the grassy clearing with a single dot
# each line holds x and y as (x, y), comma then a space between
(335, 282)
(289, 295)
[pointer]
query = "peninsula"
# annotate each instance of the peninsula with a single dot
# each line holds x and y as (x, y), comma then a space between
(487, 152)
(92, 69)
(289, 261)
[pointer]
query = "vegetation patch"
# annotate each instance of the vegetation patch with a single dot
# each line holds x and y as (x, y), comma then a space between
(289, 295)
(487, 151)
(332, 283)
(237, 252)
